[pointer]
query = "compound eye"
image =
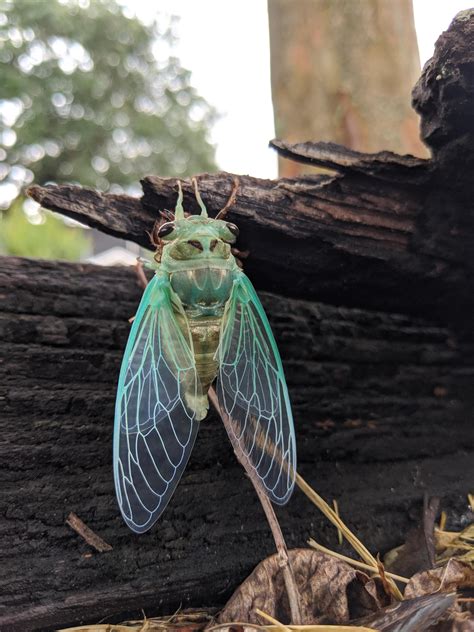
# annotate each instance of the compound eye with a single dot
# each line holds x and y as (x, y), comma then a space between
(233, 229)
(166, 229)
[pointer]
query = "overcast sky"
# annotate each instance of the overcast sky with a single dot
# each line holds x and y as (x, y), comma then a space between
(226, 46)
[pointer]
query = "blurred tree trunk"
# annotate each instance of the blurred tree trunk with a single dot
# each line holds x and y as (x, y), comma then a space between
(343, 71)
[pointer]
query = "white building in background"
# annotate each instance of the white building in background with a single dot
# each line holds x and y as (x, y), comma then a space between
(115, 256)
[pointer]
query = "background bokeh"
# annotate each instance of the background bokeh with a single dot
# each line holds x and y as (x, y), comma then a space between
(103, 92)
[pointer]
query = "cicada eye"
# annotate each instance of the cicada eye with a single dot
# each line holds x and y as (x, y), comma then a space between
(233, 229)
(166, 229)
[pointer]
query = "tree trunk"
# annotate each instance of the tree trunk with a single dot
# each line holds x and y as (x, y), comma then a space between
(371, 279)
(343, 71)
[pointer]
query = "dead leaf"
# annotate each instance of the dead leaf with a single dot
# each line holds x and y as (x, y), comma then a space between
(418, 552)
(328, 588)
(454, 575)
(411, 615)
(457, 622)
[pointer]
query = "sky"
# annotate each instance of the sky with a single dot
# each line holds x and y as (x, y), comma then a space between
(226, 46)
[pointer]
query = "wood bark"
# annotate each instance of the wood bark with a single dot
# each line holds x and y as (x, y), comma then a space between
(383, 414)
(343, 71)
(367, 279)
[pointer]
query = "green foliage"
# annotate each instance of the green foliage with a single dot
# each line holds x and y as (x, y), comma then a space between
(91, 96)
(93, 104)
(47, 238)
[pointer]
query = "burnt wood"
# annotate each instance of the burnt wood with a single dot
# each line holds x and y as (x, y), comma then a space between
(444, 97)
(383, 413)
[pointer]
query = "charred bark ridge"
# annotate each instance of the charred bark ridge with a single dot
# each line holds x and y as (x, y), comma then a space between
(367, 277)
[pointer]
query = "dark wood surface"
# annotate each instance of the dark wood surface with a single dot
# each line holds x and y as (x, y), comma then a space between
(383, 415)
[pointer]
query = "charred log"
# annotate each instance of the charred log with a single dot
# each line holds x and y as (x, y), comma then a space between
(382, 406)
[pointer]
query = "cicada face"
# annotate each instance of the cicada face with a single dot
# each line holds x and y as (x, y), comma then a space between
(197, 238)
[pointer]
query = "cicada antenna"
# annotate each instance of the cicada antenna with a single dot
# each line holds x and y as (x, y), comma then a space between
(202, 206)
(179, 210)
(223, 212)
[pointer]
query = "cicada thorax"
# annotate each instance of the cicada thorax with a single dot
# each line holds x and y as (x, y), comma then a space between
(195, 251)
(203, 293)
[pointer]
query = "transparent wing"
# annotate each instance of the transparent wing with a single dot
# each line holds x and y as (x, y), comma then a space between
(155, 427)
(252, 390)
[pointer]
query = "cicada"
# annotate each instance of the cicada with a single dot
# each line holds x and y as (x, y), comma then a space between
(199, 321)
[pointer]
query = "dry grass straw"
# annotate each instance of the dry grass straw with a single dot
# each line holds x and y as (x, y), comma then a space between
(356, 544)
(276, 625)
(159, 624)
(366, 567)
(154, 625)
(457, 545)
(109, 627)
(339, 532)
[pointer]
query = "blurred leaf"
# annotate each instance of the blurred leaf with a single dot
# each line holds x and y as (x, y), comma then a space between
(50, 239)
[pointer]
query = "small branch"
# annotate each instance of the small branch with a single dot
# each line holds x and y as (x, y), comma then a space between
(87, 534)
(289, 579)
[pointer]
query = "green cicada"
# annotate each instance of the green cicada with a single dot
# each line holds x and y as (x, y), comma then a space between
(199, 319)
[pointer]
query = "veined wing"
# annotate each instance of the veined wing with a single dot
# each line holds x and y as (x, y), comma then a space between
(252, 390)
(155, 427)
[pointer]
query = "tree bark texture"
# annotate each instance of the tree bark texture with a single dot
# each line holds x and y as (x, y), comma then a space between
(343, 71)
(367, 278)
(382, 407)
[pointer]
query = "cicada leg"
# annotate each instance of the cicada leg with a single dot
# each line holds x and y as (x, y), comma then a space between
(142, 280)
(240, 255)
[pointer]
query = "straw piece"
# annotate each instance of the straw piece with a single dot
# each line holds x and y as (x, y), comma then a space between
(352, 562)
(442, 521)
(276, 623)
(308, 628)
(339, 532)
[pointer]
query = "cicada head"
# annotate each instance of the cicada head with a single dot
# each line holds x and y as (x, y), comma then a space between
(194, 237)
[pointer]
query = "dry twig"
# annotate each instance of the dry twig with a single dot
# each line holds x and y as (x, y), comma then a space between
(290, 583)
(87, 534)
